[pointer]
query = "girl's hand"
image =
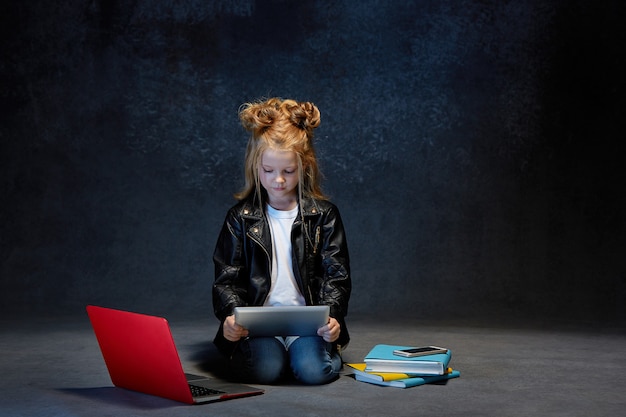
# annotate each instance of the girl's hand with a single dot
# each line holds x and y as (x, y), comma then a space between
(330, 332)
(232, 331)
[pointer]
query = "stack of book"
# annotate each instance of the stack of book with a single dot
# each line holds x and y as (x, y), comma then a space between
(382, 367)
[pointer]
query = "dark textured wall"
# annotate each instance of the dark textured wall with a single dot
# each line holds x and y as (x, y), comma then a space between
(474, 149)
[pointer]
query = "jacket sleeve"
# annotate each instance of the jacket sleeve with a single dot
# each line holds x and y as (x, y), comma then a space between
(229, 290)
(336, 284)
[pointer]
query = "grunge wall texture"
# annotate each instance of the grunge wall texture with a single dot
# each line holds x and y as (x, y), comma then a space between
(475, 149)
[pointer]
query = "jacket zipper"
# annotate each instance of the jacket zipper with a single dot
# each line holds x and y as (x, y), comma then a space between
(317, 239)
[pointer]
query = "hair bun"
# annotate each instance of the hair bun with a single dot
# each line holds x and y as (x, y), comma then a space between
(256, 117)
(304, 115)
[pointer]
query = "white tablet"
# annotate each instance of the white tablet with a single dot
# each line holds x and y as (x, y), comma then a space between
(283, 320)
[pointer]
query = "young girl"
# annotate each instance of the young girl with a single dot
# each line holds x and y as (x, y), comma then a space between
(282, 244)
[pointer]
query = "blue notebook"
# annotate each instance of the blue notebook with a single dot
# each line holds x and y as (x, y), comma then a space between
(382, 359)
(407, 382)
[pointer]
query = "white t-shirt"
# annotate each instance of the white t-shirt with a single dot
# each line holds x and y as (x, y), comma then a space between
(284, 290)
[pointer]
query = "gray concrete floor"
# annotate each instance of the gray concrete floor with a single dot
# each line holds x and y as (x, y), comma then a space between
(53, 367)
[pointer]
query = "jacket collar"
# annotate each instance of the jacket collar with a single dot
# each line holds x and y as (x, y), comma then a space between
(251, 209)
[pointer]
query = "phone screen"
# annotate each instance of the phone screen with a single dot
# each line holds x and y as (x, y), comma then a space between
(419, 351)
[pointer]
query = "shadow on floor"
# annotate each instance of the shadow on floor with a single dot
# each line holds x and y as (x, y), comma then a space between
(121, 397)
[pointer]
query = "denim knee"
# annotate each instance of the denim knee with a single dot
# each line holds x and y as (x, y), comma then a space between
(314, 361)
(260, 360)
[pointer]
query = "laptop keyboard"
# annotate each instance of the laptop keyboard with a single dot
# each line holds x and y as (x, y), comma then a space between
(197, 391)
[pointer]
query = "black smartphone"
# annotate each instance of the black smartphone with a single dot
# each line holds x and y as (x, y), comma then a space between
(419, 351)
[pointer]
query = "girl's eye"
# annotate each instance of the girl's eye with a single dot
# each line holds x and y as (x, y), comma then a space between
(286, 172)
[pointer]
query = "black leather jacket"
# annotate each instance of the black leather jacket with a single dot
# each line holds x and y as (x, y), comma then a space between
(243, 262)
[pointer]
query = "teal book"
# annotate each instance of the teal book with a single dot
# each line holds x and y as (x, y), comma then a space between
(407, 382)
(382, 359)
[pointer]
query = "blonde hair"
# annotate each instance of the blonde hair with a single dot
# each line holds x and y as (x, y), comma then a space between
(282, 125)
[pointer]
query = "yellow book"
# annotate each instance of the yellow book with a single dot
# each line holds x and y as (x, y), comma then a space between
(400, 380)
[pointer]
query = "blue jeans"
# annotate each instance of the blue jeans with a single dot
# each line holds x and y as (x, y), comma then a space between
(266, 360)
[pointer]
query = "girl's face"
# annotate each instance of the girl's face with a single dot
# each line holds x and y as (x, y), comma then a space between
(278, 174)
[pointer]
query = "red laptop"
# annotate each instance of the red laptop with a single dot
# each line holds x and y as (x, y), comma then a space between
(140, 354)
